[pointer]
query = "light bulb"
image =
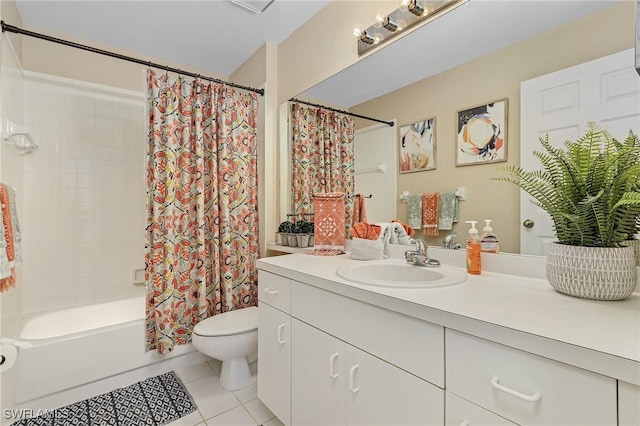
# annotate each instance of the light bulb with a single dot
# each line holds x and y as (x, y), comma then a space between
(402, 24)
(357, 31)
(380, 17)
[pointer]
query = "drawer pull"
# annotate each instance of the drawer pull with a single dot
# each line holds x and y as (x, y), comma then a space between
(532, 398)
(352, 379)
(332, 364)
(269, 291)
(280, 340)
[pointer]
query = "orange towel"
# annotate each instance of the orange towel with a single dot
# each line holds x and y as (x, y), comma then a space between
(7, 283)
(329, 224)
(359, 210)
(430, 213)
(366, 231)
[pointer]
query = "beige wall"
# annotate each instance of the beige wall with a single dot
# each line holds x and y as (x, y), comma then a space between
(494, 76)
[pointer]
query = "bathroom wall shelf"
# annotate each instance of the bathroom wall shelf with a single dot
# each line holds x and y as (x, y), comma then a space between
(18, 136)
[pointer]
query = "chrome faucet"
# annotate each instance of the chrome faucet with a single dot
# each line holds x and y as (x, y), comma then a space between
(420, 256)
(448, 242)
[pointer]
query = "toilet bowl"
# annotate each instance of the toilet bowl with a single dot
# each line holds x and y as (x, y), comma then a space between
(230, 337)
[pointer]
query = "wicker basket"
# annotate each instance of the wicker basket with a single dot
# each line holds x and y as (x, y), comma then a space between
(597, 273)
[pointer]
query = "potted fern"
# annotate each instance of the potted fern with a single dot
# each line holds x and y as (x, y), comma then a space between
(590, 188)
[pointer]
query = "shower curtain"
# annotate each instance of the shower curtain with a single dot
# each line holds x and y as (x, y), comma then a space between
(202, 216)
(322, 156)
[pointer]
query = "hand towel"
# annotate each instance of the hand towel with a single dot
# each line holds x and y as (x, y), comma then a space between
(430, 213)
(399, 234)
(447, 210)
(364, 230)
(414, 210)
(10, 240)
(359, 209)
(329, 224)
(408, 229)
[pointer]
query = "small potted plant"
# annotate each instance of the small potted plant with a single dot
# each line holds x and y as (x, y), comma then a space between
(285, 230)
(590, 190)
(303, 230)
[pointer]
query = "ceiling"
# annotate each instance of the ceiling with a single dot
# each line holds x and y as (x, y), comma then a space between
(466, 33)
(213, 35)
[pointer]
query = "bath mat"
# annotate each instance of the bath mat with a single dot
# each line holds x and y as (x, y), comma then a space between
(155, 401)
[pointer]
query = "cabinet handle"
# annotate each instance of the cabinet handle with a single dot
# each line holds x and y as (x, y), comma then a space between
(269, 291)
(464, 423)
(332, 364)
(352, 378)
(280, 340)
(532, 398)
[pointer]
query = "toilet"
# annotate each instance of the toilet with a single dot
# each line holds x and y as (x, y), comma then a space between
(230, 337)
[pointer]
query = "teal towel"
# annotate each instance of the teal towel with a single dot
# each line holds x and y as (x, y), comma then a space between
(414, 210)
(449, 211)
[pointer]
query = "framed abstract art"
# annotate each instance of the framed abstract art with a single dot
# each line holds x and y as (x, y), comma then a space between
(418, 146)
(482, 134)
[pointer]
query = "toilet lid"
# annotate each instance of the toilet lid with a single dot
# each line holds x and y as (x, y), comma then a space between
(229, 323)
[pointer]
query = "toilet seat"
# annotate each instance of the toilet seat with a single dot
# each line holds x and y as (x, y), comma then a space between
(228, 323)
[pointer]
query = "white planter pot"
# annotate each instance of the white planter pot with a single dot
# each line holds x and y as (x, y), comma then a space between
(636, 246)
(592, 272)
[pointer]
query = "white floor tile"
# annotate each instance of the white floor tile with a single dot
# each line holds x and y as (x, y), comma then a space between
(274, 422)
(213, 405)
(204, 386)
(236, 417)
(195, 372)
(216, 364)
(188, 420)
(247, 394)
(259, 411)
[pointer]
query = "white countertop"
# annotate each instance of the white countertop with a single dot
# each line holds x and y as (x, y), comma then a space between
(526, 313)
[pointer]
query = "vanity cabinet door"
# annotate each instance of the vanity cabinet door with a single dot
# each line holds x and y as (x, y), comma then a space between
(318, 378)
(379, 393)
(274, 361)
(461, 412)
(334, 383)
(628, 404)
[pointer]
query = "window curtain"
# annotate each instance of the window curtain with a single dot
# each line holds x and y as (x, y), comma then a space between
(202, 216)
(322, 147)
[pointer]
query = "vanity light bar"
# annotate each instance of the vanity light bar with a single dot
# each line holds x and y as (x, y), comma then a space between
(410, 14)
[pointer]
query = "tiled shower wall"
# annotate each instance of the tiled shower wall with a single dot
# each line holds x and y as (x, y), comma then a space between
(84, 193)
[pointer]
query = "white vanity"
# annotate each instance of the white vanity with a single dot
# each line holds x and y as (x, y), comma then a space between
(497, 349)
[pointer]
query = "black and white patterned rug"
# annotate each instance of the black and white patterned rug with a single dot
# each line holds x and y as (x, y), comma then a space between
(155, 401)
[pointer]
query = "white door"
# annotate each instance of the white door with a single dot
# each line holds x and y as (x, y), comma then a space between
(561, 104)
(375, 150)
(379, 393)
(318, 379)
(274, 361)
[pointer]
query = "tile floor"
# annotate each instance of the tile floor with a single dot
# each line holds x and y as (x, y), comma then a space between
(218, 406)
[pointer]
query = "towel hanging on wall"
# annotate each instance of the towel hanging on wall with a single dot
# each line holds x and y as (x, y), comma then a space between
(430, 213)
(329, 224)
(10, 240)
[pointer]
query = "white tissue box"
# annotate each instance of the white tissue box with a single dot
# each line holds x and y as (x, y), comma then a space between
(362, 249)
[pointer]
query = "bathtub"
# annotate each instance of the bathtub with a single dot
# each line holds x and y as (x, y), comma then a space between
(82, 345)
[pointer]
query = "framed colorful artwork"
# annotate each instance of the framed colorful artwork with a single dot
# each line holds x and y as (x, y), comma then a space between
(418, 146)
(482, 134)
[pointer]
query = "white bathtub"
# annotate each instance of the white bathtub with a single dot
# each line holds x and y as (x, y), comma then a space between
(78, 346)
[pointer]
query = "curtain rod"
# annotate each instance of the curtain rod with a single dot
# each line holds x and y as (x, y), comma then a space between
(13, 29)
(388, 123)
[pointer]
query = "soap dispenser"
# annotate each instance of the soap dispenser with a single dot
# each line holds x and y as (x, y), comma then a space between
(474, 249)
(489, 240)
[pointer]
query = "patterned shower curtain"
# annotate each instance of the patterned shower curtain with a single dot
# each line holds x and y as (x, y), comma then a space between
(322, 156)
(202, 217)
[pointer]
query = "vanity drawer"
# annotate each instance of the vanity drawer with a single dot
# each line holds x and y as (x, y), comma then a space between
(411, 344)
(525, 388)
(460, 412)
(274, 290)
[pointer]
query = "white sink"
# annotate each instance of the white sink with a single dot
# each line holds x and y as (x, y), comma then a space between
(396, 273)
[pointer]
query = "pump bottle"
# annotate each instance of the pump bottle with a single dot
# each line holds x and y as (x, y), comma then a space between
(489, 240)
(474, 249)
